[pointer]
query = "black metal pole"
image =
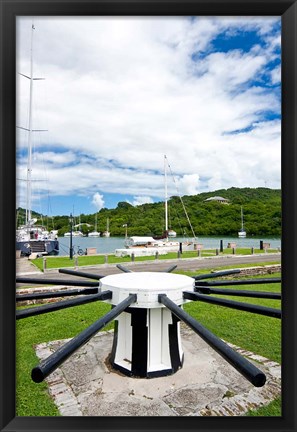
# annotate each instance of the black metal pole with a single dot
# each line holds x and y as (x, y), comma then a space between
(57, 282)
(221, 246)
(240, 282)
(81, 274)
(247, 369)
(54, 294)
(261, 310)
(216, 274)
(47, 366)
(170, 269)
(71, 247)
(124, 269)
(25, 313)
(239, 293)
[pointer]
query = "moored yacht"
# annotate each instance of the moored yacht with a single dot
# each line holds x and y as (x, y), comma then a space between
(32, 238)
(147, 245)
(242, 232)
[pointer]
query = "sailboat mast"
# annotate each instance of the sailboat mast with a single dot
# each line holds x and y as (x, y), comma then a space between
(166, 197)
(241, 219)
(29, 163)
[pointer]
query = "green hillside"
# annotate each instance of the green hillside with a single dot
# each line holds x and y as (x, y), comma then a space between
(261, 208)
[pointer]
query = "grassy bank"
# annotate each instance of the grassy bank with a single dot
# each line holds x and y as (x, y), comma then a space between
(240, 328)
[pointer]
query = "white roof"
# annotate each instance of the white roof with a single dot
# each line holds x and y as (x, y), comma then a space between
(216, 198)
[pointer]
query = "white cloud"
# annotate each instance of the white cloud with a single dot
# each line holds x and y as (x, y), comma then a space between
(138, 200)
(122, 92)
(276, 75)
(188, 184)
(98, 201)
(232, 68)
(57, 159)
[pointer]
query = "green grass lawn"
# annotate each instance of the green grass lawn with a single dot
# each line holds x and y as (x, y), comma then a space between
(271, 410)
(253, 332)
(243, 328)
(32, 399)
(85, 260)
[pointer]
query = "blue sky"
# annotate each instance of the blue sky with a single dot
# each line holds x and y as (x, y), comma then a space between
(120, 93)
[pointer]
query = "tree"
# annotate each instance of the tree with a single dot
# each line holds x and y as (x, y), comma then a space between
(124, 205)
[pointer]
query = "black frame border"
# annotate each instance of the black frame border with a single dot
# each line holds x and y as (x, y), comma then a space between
(9, 10)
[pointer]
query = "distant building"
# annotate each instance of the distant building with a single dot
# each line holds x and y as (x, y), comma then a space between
(218, 199)
(81, 224)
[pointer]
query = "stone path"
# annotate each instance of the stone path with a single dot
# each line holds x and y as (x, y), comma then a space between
(206, 385)
(24, 267)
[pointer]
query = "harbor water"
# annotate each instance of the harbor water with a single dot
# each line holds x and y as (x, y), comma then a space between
(108, 245)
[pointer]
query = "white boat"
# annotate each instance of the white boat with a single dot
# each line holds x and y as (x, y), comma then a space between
(32, 238)
(74, 234)
(171, 233)
(146, 245)
(242, 232)
(78, 234)
(77, 227)
(150, 242)
(106, 233)
(94, 233)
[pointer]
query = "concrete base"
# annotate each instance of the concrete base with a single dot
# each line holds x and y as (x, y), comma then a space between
(85, 385)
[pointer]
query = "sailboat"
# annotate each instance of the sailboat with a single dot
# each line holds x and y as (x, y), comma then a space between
(145, 245)
(76, 232)
(171, 233)
(106, 233)
(242, 232)
(32, 238)
(94, 233)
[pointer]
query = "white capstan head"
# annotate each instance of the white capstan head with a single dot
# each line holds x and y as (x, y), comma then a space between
(147, 286)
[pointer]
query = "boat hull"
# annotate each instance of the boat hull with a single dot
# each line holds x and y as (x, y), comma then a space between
(94, 234)
(74, 234)
(42, 247)
(160, 247)
(171, 233)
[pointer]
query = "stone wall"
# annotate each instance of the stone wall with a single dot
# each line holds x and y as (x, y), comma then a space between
(254, 271)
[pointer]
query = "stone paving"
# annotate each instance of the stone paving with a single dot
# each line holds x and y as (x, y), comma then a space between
(206, 385)
(24, 267)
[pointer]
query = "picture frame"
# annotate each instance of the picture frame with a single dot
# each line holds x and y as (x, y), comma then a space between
(288, 12)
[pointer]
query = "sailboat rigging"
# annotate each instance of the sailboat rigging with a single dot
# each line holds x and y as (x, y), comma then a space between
(145, 245)
(32, 238)
(106, 233)
(242, 232)
(181, 200)
(94, 233)
(168, 232)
